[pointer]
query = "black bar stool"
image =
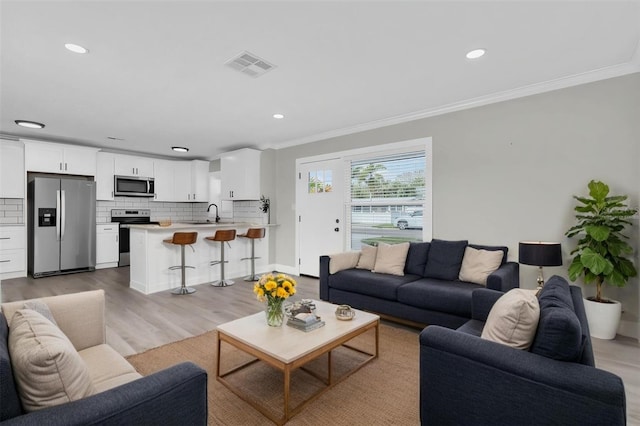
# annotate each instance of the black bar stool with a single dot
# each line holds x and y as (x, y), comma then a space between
(182, 239)
(253, 234)
(224, 236)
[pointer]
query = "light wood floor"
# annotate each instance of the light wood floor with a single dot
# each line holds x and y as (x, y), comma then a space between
(136, 322)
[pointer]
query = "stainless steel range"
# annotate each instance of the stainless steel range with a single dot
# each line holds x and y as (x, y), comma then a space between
(126, 217)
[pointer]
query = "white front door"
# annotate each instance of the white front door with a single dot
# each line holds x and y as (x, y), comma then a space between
(320, 211)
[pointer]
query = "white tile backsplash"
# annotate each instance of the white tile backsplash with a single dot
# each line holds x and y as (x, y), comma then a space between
(11, 211)
(177, 212)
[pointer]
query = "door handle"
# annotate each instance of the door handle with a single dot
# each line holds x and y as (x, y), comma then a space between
(63, 221)
(58, 212)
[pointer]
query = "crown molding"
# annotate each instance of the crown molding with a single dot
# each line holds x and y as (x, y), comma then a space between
(630, 67)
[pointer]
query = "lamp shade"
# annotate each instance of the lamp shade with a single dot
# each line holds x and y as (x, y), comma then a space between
(538, 253)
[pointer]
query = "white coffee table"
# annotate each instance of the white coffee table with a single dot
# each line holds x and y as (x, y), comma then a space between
(287, 349)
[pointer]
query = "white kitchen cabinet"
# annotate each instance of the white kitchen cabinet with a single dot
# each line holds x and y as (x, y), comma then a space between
(59, 158)
(240, 174)
(12, 252)
(199, 181)
(132, 165)
(182, 181)
(12, 174)
(164, 180)
(107, 253)
(104, 176)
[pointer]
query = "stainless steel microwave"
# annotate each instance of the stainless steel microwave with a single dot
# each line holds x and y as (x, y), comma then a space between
(134, 186)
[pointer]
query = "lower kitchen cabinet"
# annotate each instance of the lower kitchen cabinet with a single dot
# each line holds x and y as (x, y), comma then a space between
(12, 252)
(107, 253)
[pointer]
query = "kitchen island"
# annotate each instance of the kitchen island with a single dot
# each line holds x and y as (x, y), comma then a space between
(151, 257)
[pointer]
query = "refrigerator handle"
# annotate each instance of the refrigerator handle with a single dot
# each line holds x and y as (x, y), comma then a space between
(64, 213)
(58, 215)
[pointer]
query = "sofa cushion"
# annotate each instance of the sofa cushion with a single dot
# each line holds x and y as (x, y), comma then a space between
(360, 281)
(477, 265)
(341, 261)
(445, 258)
(390, 258)
(559, 334)
(367, 258)
(416, 258)
(513, 319)
(107, 368)
(503, 249)
(9, 402)
(47, 368)
(452, 297)
(42, 308)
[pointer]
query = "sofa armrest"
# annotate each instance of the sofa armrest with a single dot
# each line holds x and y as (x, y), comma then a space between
(324, 277)
(176, 395)
(482, 300)
(505, 277)
(80, 316)
(468, 380)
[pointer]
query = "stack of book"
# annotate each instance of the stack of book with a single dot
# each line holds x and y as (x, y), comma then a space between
(305, 321)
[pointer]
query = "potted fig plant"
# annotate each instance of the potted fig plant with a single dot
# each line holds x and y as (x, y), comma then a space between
(601, 254)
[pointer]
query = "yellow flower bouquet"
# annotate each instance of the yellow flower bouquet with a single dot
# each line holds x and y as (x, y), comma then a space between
(274, 289)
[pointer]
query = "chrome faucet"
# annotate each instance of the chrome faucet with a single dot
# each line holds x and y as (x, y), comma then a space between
(217, 217)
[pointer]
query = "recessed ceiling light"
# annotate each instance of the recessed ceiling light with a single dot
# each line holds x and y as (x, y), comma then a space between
(76, 48)
(180, 149)
(30, 124)
(475, 54)
(278, 116)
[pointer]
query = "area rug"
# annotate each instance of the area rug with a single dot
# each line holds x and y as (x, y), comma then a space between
(383, 392)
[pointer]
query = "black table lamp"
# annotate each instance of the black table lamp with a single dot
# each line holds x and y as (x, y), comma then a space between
(538, 253)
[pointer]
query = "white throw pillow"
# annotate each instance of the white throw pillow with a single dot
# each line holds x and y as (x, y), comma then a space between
(367, 257)
(47, 368)
(391, 258)
(341, 261)
(477, 265)
(513, 319)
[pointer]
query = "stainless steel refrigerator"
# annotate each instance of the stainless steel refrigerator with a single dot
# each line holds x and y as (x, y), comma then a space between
(62, 225)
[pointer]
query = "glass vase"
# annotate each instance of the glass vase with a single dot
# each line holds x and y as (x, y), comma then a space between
(274, 312)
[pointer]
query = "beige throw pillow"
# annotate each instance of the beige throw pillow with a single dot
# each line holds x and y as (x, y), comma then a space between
(513, 319)
(47, 368)
(367, 257)
(391, 258)
(477, 265)
(341, 261)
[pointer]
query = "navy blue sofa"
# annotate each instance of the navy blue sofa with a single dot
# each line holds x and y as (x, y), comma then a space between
(466, 380)
(417, 296)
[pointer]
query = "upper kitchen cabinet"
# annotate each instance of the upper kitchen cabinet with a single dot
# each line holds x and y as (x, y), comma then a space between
(58, 158)
(164, 180)
(131, 165)
(12, 175)
(105, 163)
(200, 180)
(240, 174)
(182, 181)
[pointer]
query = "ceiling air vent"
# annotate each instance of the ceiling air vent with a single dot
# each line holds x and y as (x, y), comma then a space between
(249, 64)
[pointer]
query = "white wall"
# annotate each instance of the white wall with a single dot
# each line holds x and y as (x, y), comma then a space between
(506, 172)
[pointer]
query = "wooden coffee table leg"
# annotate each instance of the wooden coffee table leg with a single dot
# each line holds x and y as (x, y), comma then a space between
(287, 386)
(329, 375)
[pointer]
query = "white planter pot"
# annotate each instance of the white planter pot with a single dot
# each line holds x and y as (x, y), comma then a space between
(603, 318)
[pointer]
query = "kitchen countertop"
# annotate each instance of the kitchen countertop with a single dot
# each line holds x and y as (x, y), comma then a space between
(197, 225)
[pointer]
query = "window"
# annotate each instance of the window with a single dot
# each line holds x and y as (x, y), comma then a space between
(387, 198)
(319, 181)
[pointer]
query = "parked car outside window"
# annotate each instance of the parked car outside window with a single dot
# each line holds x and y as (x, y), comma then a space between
(414, 220)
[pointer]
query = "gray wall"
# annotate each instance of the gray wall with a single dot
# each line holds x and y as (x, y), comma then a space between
(506, 172)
